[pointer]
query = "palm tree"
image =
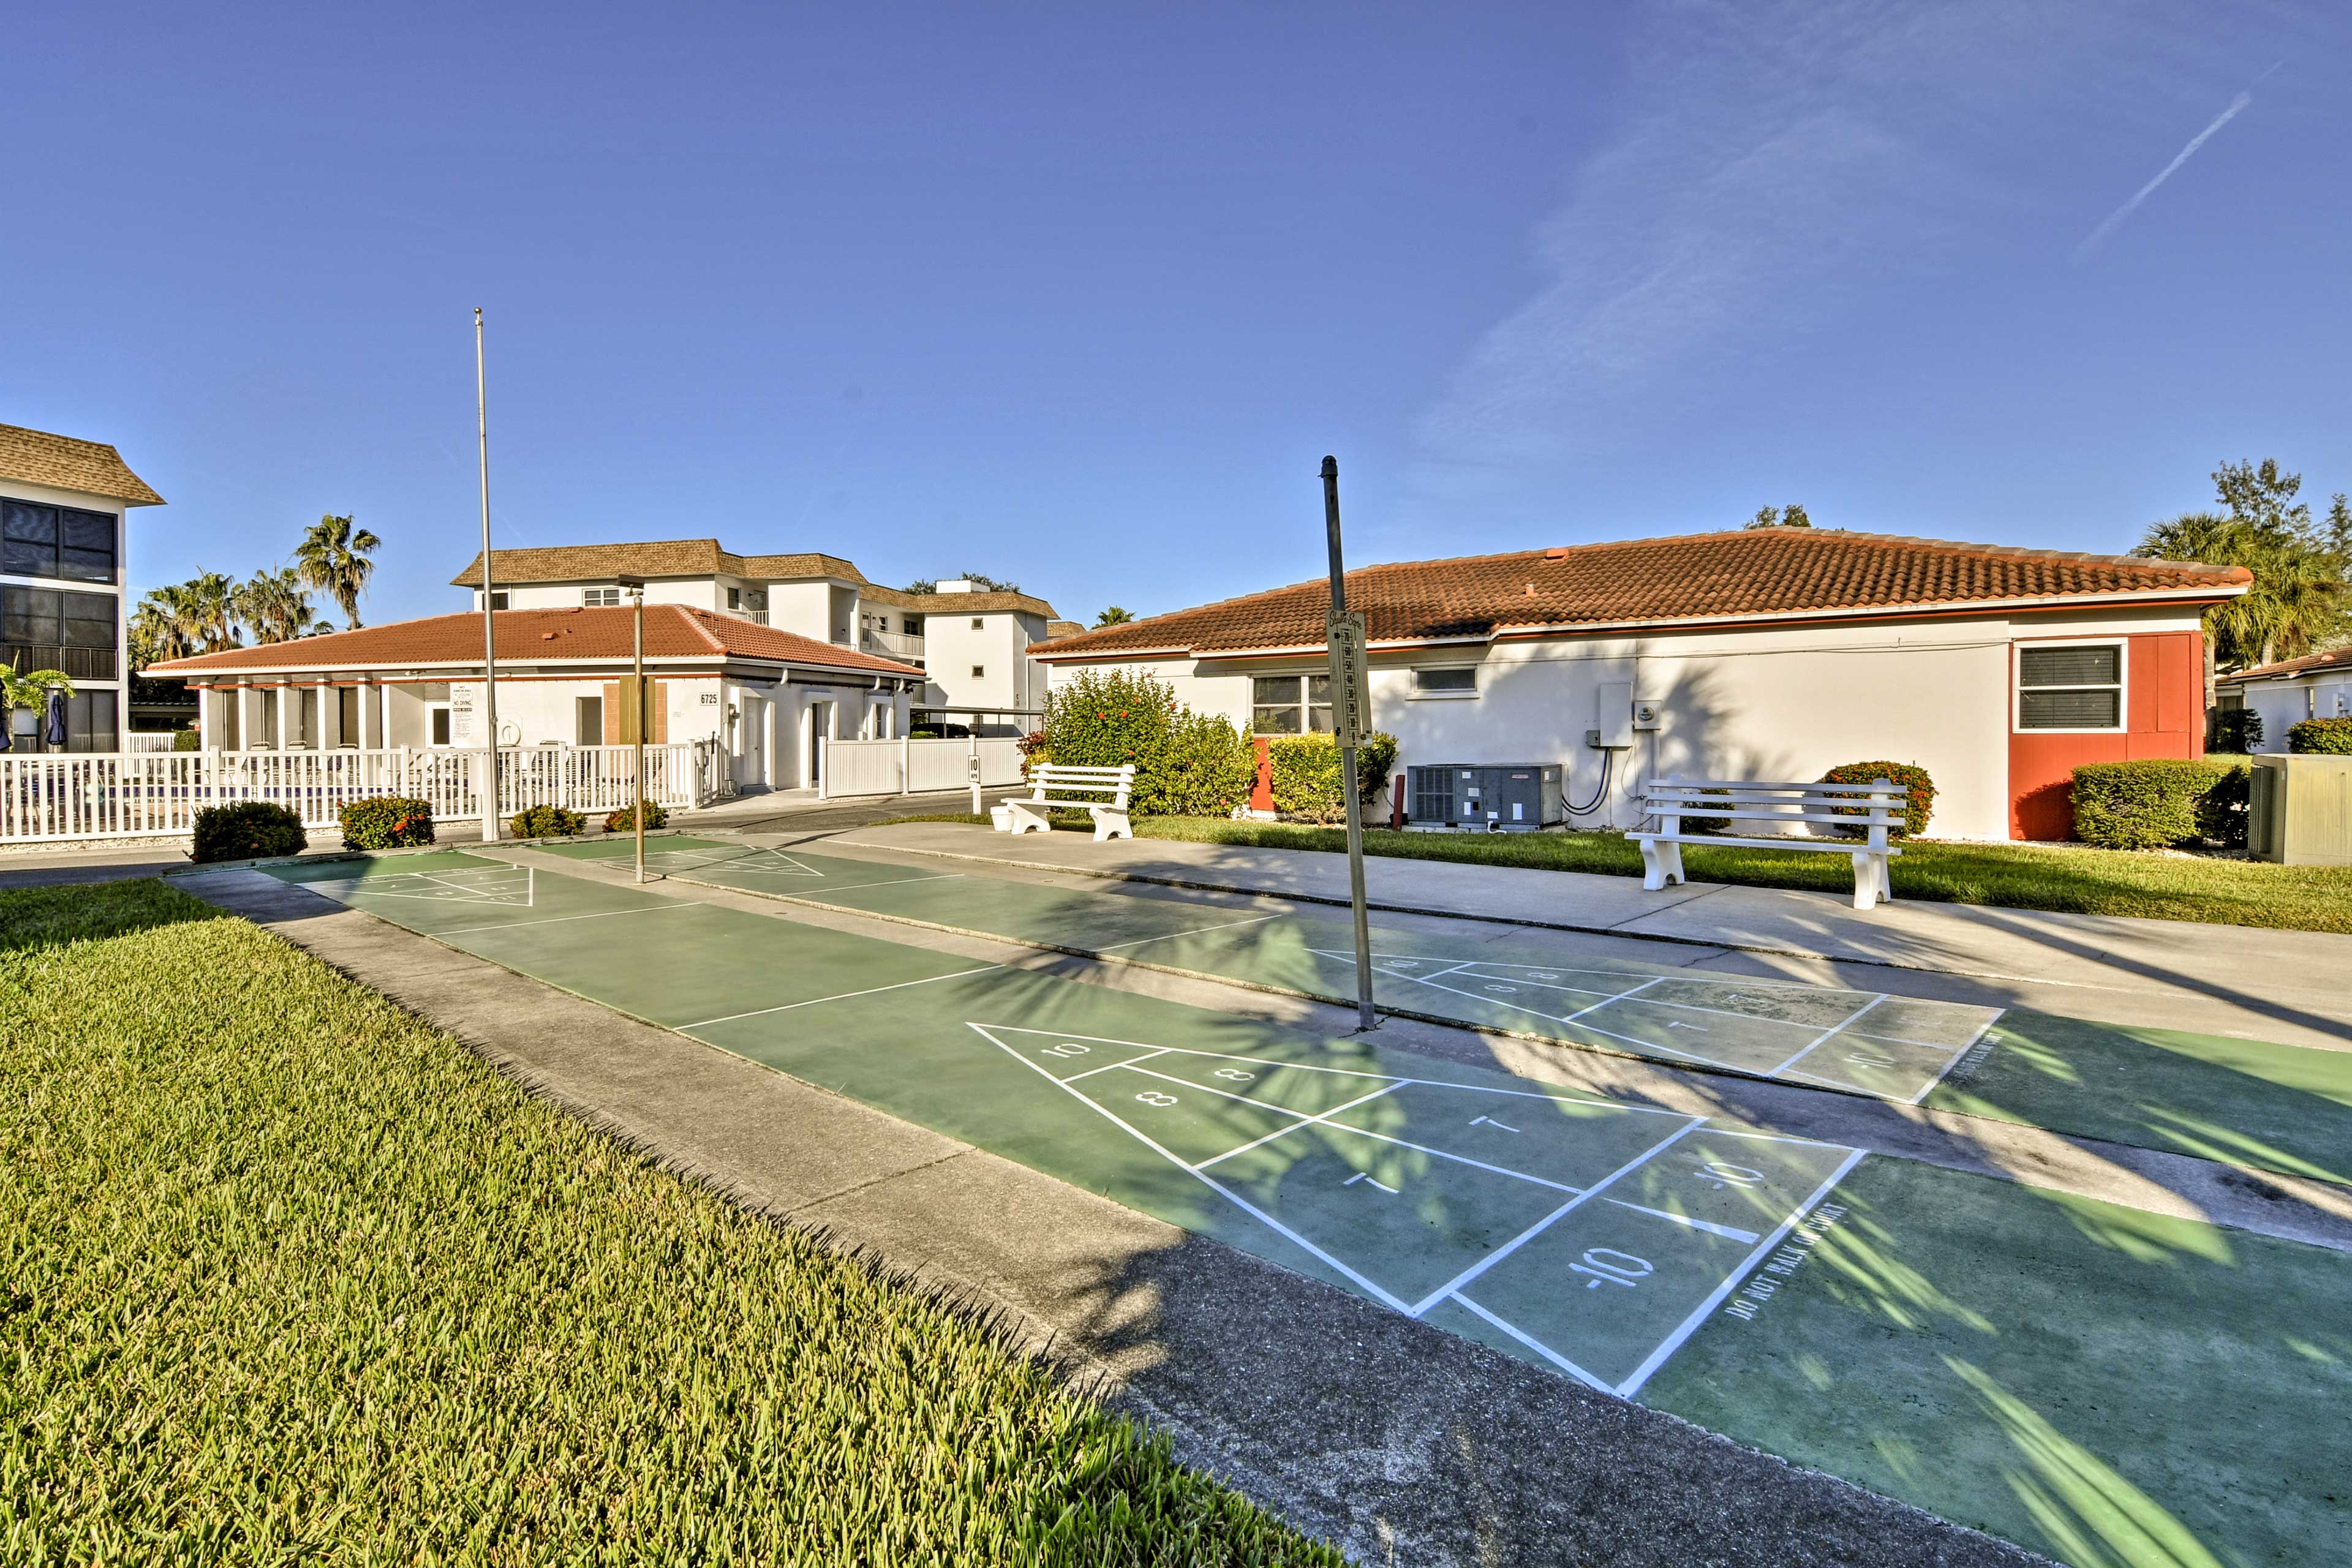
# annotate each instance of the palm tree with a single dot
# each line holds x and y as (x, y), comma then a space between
(2298, 600)
(333, 558)
(30, 689)
(1114, 616)
(209, 612)
(277, 608)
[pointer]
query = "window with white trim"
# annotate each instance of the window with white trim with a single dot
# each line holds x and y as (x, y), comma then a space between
(1459, 680)
(2071, 686)
(1290, 705)
(600, 596)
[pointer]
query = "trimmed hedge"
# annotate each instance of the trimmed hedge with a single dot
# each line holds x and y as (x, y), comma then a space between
(2160, 803)
(388, 822)
(1916, 809)
(625, 820)
(2237, 730)
(247, 830)
(1307, 777)
(187, 740)
(1186, 764)
(547, 822)
(2324, 737)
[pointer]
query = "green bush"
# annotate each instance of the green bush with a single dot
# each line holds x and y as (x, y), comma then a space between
(388, 822)
(1305, 771)
(2324, 737)
(2237, 730)
(625, 820)
(1186, 764)
(247, 830)
(2160, 802)
(547, 822)
(187, 740)
(1916, 808)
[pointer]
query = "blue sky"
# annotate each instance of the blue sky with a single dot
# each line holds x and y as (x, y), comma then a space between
(1080, 296)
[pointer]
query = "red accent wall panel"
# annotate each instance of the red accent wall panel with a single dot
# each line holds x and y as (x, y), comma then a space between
(2164, 717)
(1262, 787)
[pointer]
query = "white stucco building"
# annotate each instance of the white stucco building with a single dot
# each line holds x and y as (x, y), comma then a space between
(2317, 686)
(769, 697)
(64, 552)
(1768, 654)
(971, 644)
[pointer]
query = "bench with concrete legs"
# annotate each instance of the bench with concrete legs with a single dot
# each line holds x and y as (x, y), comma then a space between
(1102, 793)
(1873, 811)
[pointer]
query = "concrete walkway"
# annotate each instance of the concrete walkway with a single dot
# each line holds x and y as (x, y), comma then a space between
(2283, 986)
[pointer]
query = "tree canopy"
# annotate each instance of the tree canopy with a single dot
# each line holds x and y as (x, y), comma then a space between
(2302, 594)
(1114, 616)
(1789, 516)
(333, 558)
(979, 580)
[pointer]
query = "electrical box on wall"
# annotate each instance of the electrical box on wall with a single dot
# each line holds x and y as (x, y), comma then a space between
(1613, 718)
(1648, 712)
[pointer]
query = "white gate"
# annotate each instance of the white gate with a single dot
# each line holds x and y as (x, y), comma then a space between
(913, 767)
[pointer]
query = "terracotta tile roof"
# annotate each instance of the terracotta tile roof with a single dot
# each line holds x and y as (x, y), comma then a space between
(654, 558)
(2333, 660)
(1742, 575)
(93, 468)
(538, 636)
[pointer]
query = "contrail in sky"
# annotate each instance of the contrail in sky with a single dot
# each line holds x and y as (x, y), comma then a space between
(2237, 105)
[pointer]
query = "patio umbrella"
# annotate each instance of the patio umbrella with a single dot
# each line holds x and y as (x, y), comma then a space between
(57, 725)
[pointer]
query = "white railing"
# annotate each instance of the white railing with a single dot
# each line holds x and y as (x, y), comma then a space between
(757, 617)
(146, 743)
(912, 767)
(118, 795)
(892, 644)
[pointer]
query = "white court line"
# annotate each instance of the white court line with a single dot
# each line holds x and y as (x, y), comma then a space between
(1210, 1182)
(1508, 1247)
(1114, 1067)
(1692, 1221)
(1304, 1119)
(559, 920)
(1946, 1070)
(1540, 1348)
(1826, 1035)
(1227, 925)
(1643, 1047)
(842, 996)
(895, 881)
(1674, 1342)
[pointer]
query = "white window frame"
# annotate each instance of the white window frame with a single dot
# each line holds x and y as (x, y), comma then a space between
(2122, 645)
(1305, 705)
(430, 710)
(1414, 693)
(600, 598)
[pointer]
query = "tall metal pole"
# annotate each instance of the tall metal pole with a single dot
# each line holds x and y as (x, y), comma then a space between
(637, 673)
(1365, 1017)
(489, 627)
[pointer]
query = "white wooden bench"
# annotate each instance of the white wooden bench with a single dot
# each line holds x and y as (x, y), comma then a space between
(1054, 787)
(1872, 810)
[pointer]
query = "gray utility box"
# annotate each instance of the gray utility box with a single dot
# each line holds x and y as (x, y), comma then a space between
(2299, 810)
(1481, 798)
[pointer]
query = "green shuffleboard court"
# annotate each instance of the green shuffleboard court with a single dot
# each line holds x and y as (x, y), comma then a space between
(2104, 1385)
(2247, 1102)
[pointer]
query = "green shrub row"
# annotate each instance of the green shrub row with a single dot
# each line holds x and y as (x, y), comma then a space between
(1306, 775)
(625, 820)
(2325, 737)
(547, 822)
(1916, 808)
(1186, 764)
(245, 830)
(388, 822)
(2160, 803)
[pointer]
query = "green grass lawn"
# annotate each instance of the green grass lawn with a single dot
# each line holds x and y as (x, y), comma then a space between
(2078, 880)
(286, 1276)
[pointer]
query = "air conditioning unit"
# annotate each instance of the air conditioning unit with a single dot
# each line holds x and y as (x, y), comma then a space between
(1480, 797)
(2299, 810)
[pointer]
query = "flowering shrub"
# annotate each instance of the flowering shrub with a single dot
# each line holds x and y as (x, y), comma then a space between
(1306, 775)
(1186, 764)
(547, 822)
(388, 822)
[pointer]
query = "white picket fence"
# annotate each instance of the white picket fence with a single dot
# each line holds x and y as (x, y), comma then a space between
(114, 795)
(912, 767)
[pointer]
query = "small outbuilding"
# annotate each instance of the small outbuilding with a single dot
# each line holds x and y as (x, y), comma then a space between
(768, 697)
(2317, 686)
(1771, 653)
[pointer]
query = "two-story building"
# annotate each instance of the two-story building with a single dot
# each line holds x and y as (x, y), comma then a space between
(971, 644)
(64, 545)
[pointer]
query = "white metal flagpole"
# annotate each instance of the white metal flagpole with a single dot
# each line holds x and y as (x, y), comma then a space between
(489, 627)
